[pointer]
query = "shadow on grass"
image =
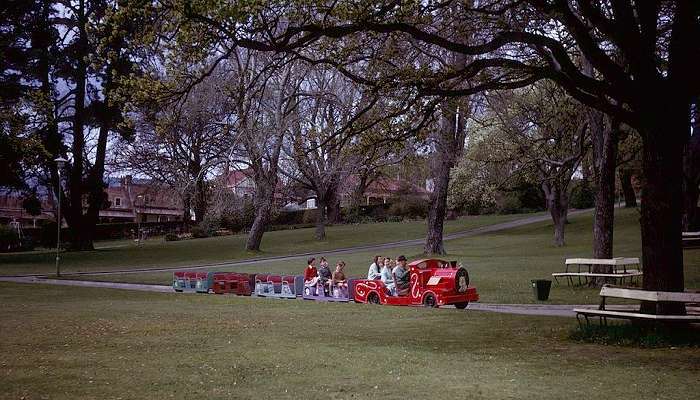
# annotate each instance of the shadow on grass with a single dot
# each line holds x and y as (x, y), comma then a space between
(639, 335)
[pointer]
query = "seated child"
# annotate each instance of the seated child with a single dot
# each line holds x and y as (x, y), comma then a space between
(310, 273)
(324, 274)
(387, 276)
(339, 280)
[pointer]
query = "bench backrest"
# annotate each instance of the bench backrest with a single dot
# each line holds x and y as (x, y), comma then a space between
(647, 295)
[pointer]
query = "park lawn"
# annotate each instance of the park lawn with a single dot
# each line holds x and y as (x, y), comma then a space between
(68, 343)
(229, 248)
(500, 264)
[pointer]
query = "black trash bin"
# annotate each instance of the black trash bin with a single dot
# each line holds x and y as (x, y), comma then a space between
(541, 288)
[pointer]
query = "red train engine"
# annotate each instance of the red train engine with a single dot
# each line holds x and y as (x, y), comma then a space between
(433, 283)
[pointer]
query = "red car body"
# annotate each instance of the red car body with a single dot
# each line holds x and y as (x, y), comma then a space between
(433, 283)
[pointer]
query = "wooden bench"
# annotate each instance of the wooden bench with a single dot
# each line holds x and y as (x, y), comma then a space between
(691, 239)
(690, 299)
(619, 269)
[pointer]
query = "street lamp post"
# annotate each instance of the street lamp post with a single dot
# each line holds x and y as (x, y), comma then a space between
(60, 162)
(138, 221)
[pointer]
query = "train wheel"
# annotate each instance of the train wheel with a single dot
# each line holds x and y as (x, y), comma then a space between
(373, 298)
(429, 301)
(462, 306)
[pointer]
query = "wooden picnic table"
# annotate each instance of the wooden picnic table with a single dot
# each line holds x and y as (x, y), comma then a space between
(619, 269)
(623, 262)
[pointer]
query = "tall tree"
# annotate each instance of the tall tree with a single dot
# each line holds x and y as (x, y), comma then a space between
(542, 132)
(180, 144)
(263, 96)
(448, 142)
(636, 48)
(320, 139)
(73, 53)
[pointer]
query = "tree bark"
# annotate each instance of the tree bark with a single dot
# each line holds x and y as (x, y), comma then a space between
(81, 238)
(668, 126)
(321, 205)
(604, 214)
(558, 205)
(200, 199)
(333, 207)
(265, 186)
(263, 209)
(627, 189)
(438, 209)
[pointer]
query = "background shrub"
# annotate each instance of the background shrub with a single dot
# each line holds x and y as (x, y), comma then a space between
(582, 196)
(171, 237)
(9, 240)
(409, 207)
(198, 231)
(309, 216)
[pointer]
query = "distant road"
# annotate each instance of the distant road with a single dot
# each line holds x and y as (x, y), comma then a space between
(346, 250)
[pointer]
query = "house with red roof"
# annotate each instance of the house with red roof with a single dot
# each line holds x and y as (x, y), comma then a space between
(132, 200)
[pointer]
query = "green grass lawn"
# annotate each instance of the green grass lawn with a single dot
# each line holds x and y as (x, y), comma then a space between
(156, 253)
(500, 264)
(70, 343)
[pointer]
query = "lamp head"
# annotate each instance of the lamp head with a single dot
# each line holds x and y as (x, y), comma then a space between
(60, 162)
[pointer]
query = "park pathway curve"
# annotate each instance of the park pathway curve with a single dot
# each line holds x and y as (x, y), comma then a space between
(555, 310)
(346, 250)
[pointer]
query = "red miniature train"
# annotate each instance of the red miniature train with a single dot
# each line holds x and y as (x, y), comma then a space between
(433, 283)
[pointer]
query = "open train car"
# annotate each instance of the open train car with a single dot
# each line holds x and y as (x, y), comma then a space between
(212, 282)
(433, 283)
(230, 282)
(280, 286)
(319, 292)
(190, 281)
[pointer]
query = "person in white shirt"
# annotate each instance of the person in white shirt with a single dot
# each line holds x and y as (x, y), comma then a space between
(375, 268)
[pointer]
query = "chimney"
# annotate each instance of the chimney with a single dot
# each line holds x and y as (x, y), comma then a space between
(126, 181)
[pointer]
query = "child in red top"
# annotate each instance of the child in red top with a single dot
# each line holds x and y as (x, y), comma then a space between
(310, 273)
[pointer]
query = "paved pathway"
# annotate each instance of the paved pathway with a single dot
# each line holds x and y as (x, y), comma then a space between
(346, 250)
(523, 309)
(553, 310)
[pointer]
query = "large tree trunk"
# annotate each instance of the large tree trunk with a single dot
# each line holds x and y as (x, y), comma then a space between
(604, 214)
(200, 199)
(333, 207)
(667, 130)
(438, 209)
(187, 207)
(265, 185)
(263, 210)
(558, 206)
(81, 231)
(627, 188)
(321, 205)
(96, 199)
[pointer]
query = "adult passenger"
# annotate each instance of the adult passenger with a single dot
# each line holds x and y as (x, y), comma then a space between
(402, 276)
(375, 269)
(386, 275)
